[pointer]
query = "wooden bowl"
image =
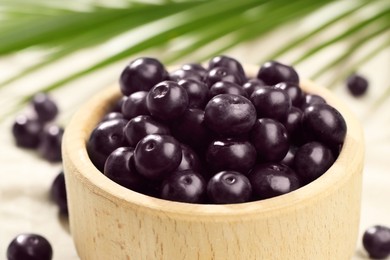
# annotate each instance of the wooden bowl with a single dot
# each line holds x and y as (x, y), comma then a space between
(108, 221)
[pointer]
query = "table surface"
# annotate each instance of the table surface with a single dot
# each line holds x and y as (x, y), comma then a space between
(26, 179)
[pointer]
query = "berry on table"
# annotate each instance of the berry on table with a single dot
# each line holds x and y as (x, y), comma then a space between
(376, 241)
(29, 247)
(58, 193)
(26, 131)
(357, 85)
(45, 107)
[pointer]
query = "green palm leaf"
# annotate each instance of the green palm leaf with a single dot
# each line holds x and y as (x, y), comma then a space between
(63, 28)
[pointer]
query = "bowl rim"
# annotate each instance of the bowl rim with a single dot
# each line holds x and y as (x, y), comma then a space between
(88, 115)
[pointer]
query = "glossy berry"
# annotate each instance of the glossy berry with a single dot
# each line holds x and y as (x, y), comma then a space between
(357, 85)
(252, 85)
(273, 72)
(311, 99)
(376, 241)
(270, 140)
(45, 107)
(271, 103)
(180, 74)
(104, 139)
(198, 93)
(119, 167)
(196, 68)
(58, 193)
(226, 87)
(141, 126)
(324, 123)
(167, 101)
(312, 160)
(156, 156)
(230, 115)
(293, 122)
(272, 179)
(293, 91)
(230, 63)
(26, 131)
(229, 187)
(289, 158)
(118, 104)
(29, 247)
(190, 160)
(221, 74)
(191, 129)
(135, 105)
(230, 154)
(141, 75)
(50, 143)
(112, 115)
(184, 186)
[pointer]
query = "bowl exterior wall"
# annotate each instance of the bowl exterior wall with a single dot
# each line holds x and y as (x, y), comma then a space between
(324, 229)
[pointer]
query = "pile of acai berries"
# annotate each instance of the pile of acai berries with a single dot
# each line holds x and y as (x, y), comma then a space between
(213, 134)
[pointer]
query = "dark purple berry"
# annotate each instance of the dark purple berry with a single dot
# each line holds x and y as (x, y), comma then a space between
(189, 160)
(357, 85)
(230, 154)
(270, 140)
(104, 139)
(226, 87)
(271, 103)
(167, 101)
(289, 158)
(272, 179)
(311, 99)
(195, 67)
(112, 115)
(45, 107)
(118, 104)
(312, 160)
(29, 247)
(119, 167)
(58, 193)
(324, 123)
(230, 63)
(135, 105)
(198, 93)
(50, 143)
(156, 156)
(252, 85)
(376, 241)
(230, 115)
(26, 131)
(180, 74)
(273, 72)
(221, 74)
(141, 75)
(293, 122)
(293, 91)
(184, 186)
(141, 126)
(229, 187)
(191, 129)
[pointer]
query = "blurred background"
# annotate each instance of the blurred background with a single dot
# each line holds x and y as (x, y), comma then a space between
(72, 49)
